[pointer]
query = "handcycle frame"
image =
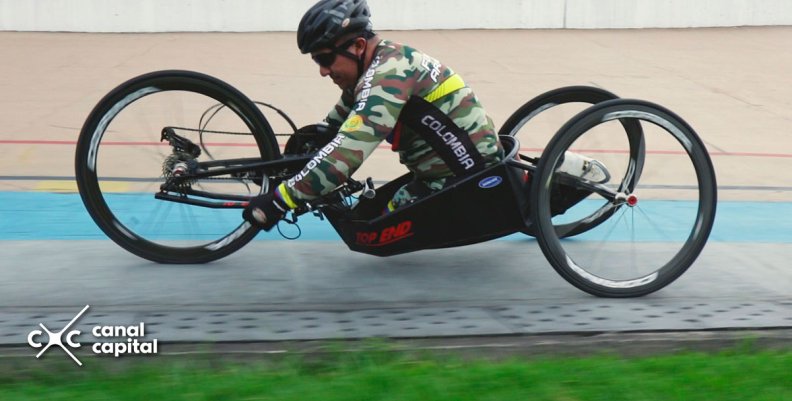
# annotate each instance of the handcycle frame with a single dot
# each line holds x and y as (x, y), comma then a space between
(487, 205)
(518, 194)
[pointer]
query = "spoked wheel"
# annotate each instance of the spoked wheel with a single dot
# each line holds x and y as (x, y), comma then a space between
(574, 99)
(659, 221)
(153, 128)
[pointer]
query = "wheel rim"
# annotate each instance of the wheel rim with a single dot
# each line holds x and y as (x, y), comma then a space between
(659, 223)
(566, 102)
(126, 163)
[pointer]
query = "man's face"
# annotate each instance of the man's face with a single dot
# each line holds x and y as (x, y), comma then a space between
(343, 70)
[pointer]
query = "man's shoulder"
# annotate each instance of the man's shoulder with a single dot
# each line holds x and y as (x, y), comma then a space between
(394, 54)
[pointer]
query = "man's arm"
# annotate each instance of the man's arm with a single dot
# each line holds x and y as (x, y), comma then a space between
(340, 111)
(371, 119)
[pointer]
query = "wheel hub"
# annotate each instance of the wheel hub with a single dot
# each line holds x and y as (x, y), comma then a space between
(176, 165)
(631, 200)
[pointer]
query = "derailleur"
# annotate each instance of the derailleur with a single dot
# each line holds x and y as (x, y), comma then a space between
(179, 165)
(179, 143)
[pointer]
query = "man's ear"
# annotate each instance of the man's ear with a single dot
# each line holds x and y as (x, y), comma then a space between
(360, 45)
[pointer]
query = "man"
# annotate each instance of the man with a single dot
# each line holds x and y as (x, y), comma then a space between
(377, 79)
(390, 92)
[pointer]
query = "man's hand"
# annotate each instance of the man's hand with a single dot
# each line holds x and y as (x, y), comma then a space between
(265, 211)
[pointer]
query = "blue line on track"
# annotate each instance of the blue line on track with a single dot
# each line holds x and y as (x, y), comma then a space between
(55, 216)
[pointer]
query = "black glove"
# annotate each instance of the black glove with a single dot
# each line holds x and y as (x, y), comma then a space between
(265, 210)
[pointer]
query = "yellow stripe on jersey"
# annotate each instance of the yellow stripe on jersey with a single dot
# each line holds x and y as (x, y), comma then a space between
(450, 85)
(285, 196)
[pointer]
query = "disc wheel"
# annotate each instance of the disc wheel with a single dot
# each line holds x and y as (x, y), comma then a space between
(574, 99)
(122, 161)
(659, 221)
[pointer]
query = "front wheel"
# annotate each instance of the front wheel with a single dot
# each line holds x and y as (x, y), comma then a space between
(126, 152)
(658, 221)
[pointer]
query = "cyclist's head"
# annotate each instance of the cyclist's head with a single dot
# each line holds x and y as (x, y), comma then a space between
(329, 20)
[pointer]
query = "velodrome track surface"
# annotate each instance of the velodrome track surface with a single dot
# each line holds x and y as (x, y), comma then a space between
(732, 85)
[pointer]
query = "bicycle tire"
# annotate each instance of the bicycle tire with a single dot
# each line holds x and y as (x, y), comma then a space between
(186, 84)
(571, 94)
(655, 255)
(550, 99)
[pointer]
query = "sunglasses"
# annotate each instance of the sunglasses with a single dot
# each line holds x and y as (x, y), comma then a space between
(327, 59)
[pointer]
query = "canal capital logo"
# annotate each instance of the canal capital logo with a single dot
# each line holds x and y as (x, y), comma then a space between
(127, 339)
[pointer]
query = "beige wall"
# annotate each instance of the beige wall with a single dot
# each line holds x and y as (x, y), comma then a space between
(283, 15)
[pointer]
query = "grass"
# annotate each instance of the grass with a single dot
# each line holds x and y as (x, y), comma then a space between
(378, 375)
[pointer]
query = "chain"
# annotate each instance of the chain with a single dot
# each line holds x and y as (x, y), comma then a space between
(219, 132)
(227, 177)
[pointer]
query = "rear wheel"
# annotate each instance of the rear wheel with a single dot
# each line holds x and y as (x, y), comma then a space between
(659, 221)
(123, 159)
(565, 102)
(586, 95)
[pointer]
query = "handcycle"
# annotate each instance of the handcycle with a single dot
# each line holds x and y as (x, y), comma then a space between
(166, 161)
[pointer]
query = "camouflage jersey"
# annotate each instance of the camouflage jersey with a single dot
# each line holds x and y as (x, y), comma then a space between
(368, 115)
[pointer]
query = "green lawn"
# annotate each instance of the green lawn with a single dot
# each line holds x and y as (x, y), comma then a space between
(731, 375)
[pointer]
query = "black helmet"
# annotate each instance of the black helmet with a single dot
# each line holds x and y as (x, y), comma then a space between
(328, 20)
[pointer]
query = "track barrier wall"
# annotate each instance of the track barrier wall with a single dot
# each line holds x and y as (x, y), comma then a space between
(284, 15)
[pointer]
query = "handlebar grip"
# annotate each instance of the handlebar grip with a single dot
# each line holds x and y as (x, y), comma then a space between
(368, 189)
